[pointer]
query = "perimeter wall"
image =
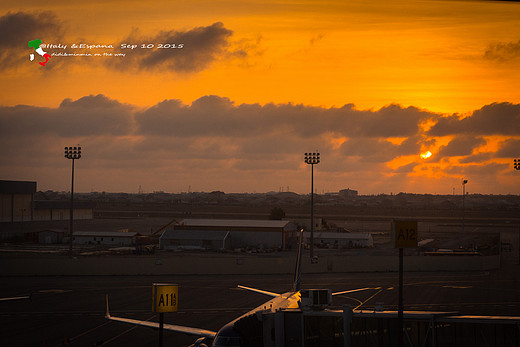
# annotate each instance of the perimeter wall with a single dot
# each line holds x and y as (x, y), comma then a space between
(195, 264)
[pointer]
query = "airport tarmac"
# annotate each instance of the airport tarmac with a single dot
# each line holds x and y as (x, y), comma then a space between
(71, 309)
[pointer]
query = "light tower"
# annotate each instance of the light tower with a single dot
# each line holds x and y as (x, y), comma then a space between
(312, 159)
(463, 198)
(72, 153)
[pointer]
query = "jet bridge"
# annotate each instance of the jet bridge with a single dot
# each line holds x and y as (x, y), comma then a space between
(312, 326)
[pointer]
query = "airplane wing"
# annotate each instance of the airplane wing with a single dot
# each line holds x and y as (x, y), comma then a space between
(15, 298)
(274, 295)
(176, 328)
(353, 291)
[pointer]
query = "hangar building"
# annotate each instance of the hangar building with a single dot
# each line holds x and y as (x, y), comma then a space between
(233, 233)
(16, 200)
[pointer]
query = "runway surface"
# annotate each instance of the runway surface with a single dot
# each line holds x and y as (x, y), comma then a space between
(71, 310)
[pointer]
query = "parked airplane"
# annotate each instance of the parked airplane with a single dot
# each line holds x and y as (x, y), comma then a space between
(245, 330)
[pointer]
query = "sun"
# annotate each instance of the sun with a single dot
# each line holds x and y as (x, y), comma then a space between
(426, 155)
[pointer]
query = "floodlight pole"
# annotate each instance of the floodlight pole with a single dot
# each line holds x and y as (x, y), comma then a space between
(400, 306)
(312, 211)
(517, 167)
(312, 159)
(72, 153)
(463, 198)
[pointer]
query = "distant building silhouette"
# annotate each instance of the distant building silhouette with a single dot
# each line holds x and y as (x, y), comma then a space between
(17, 204)
(348, 193)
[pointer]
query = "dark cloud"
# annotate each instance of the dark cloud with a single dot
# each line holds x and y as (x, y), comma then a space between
(477, 158)
(216, 116)
(18, 28)
(489, 171)
(21, 27)
(265, 163)
(378, 149)
(503, 51)
(90, 115)
(271, 146)
(509, 149)
(207, 116)
(393, 120)
(389, 121)
(461, 146)
(370, 149)
(201, 47)
(406, 168)
(494, 119)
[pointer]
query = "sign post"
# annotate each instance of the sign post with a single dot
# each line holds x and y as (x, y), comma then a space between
(164, 299)
(404, 234)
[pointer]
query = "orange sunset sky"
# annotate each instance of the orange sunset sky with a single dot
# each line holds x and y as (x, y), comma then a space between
(372, 85)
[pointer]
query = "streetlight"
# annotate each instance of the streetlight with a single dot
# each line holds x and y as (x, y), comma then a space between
(463, 197)
(72, 153)
(312, 159)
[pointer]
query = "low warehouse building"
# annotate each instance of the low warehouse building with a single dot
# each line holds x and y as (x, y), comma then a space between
(195, 239)
(341, 240)
(105, 238)
(51, 236)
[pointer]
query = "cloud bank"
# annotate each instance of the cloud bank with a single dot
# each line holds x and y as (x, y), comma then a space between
(495, 119)
(503, 52)
(200, 47)
(224, 145)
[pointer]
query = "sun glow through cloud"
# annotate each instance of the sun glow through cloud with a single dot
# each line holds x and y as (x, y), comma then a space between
(426, 155)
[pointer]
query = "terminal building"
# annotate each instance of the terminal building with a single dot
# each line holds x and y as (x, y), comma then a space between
(370, 328)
